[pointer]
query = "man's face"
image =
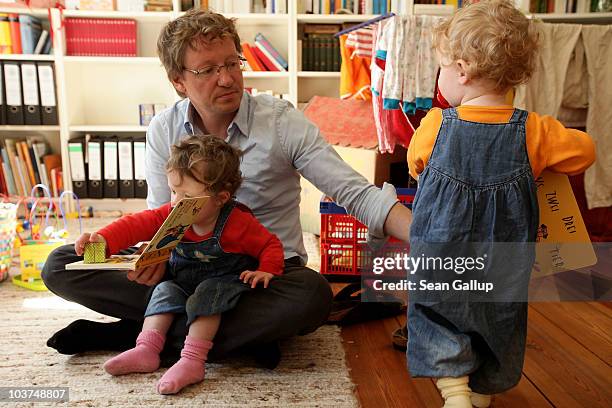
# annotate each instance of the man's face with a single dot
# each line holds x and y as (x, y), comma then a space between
(216, 94)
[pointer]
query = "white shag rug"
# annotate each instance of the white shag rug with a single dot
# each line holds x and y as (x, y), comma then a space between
(312, 373)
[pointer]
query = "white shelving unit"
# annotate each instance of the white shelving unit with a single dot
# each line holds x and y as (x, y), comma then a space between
(101, 94)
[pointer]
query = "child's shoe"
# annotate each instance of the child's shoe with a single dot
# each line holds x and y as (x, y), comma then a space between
(190, 369)
(144, 358)
(480, 400)
(455, 392)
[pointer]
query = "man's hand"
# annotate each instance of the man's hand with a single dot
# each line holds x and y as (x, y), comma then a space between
(254, 277)
(79, 244)
(149, 275)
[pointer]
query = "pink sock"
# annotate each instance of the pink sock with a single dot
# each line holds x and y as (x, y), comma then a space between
(188, 370)
(144, 358)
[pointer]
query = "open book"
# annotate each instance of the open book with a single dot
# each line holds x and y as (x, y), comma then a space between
(161, 245)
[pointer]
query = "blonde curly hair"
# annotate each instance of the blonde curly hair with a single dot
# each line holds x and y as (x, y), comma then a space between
(497, 40)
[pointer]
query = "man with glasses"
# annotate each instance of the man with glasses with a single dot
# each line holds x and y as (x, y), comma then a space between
(201, 54)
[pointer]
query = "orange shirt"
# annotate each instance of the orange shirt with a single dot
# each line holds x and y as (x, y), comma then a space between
(549, 144)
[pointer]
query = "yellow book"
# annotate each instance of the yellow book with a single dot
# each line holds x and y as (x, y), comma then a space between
(6, 45)
(161, 245)
(563, 240)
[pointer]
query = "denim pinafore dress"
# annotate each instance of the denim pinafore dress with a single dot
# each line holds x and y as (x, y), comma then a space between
(477, 187)
(204, 280)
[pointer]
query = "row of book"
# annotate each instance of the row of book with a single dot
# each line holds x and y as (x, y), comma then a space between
(28, 93)
(568, 6)
(239, 6)
(320, 50)
(23, 34)
(101, 37)
(320, 53)
(119, 5)
(262, 56)
(350, 6)
(26, 163)
(108, 166)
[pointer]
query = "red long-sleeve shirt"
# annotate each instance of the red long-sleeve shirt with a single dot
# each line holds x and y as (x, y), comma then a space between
(242, 234)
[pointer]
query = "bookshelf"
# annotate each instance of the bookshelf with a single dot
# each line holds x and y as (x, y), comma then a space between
(100, 95)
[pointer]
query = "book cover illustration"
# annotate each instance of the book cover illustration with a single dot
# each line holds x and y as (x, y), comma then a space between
(161, 245)
(563, 241)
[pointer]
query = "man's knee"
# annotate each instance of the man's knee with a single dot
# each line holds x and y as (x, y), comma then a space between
(54, 268)
(315, 298)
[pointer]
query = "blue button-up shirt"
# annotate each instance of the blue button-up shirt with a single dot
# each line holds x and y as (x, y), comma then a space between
(278, 144)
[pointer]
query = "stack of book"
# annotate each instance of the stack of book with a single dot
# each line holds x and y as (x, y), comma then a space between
(262, 56)
(23, 34)
(101, 37)
(25, 163)
(320, 49)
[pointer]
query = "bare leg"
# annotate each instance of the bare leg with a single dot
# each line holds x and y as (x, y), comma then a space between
(190, 368)
(144, 358)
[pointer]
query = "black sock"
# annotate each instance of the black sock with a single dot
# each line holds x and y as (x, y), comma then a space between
(268, 355)
(86, 335)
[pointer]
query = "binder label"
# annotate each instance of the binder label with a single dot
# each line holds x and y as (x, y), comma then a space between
(125, 161)
(110, 166)
(30, 84)
(139, 159)
(13, 84)
(95, 172)
(77, 167)
(47, 88)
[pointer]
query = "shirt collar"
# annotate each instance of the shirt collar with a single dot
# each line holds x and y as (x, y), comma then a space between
(241, 120)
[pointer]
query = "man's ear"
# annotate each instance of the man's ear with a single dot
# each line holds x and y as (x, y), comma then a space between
(178, 83)
(463, 68)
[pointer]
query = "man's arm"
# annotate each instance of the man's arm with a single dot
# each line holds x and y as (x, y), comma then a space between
(156, 156)
(319, 163)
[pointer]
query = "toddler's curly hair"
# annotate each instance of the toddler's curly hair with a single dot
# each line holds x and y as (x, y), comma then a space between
(497, 40)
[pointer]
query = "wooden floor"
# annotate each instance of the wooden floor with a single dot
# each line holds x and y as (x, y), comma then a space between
(567, 364)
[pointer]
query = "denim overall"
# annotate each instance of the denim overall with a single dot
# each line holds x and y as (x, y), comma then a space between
(204, 279)
(477, 187)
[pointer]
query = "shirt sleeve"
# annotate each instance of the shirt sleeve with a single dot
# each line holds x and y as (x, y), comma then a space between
(245, 234)
(320, 164)
(156, 156)
(422, 142)
(551, 145)
(132, 229)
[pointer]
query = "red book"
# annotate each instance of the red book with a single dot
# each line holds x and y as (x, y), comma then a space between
(251, 58)
(15, 29)
(266, 62)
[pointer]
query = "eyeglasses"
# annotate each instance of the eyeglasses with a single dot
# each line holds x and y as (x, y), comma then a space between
(230, 66)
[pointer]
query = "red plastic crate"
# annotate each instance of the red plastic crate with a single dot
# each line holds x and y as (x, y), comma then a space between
(344, 251)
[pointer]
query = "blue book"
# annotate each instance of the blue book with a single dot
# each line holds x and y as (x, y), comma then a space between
(31, 28)
(259, 38)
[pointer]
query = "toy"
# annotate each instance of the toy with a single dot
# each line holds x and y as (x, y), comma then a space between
(95, 252)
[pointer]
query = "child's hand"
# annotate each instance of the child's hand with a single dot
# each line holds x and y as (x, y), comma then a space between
(79, 245)
(253, 277)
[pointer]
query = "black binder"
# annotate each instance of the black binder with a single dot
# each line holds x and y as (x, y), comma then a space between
(12, 87)
(140, 183)
(48, 101)
(78, 170)
(126, 168)
(31, 100)
(111, 169)
(94, 167)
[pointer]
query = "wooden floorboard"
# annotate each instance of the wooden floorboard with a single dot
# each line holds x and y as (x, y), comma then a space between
(567, 361)
(589, 323)
(566, 372)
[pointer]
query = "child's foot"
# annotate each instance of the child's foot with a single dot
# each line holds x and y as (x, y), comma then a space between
(188, 370)
(455, 392)
(144, 358)
(480, 400)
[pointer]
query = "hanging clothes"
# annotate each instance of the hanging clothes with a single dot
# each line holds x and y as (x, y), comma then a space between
(355, 80)
(569, 53)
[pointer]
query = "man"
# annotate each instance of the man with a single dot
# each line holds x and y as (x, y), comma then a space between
(201, 54)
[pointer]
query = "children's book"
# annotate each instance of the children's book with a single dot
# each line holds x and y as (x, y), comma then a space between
(563, 241)
(161, 245)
